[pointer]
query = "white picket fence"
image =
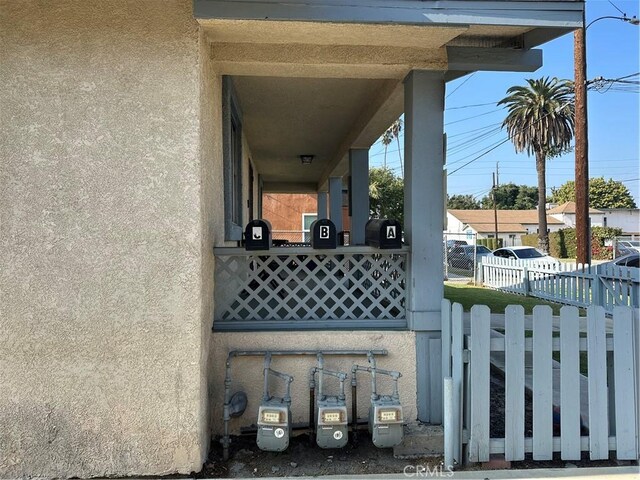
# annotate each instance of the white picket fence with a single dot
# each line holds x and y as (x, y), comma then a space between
(608, 406)
(605, 285)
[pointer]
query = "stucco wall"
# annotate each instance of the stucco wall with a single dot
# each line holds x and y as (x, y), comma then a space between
(246, 372)
(105, 317)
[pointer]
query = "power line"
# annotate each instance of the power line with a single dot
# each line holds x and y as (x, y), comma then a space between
(465, 81)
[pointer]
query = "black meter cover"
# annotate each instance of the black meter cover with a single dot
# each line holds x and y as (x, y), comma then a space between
(323, 234)
(257, 235)
(383, 233)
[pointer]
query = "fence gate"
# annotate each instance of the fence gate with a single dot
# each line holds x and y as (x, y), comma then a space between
(570, 384)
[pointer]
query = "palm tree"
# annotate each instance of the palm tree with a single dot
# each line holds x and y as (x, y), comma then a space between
(540, 120)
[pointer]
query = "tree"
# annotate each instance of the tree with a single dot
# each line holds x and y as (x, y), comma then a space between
(386, 194)
(540, 121)
(510, 196)
(462, 202)
(602, 194)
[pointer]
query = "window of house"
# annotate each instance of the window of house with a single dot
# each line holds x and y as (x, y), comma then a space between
(307, 220)
(232, 151)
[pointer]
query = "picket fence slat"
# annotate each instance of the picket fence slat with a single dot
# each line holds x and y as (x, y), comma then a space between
(457, 338)
(597, 371)
(570, 383)
(624, 366)
(479, 439)
(542, 383)
(514, 383)
(445, 307)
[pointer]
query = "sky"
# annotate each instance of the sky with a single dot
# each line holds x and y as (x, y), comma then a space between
(472, 119)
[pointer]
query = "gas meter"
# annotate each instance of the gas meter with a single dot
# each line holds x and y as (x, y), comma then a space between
(274, 413)
(385, 414)
(332, 420)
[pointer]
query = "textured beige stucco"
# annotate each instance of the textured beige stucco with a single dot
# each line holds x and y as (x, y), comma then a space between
(246, 372)
(106, 277)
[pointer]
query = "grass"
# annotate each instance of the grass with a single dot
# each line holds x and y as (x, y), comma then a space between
(469, 295)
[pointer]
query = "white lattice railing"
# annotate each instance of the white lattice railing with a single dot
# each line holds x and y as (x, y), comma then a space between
(298, 287)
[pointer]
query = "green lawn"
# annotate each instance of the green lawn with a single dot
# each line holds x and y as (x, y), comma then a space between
(469, 295)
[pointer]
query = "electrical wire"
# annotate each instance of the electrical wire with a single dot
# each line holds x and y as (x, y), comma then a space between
(465, 81)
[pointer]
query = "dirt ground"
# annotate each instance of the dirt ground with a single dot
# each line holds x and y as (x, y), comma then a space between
(246, 460)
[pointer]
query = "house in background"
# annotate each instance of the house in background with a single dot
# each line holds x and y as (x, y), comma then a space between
(138, 137)
(512, 224)
(628, 219)
(566, 213)
(291, 214)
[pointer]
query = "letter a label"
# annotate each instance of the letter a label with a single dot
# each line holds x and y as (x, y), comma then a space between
(391, 232)
(257, 233)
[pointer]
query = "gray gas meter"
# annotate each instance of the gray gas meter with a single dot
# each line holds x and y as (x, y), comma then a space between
(274, 413)
(385, 414)
(332, 421)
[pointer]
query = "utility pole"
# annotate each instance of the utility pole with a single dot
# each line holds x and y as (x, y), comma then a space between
(583, 230)
(495, 209)
(583, 255)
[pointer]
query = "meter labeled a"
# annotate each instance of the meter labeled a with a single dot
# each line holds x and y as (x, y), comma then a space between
(385, 413)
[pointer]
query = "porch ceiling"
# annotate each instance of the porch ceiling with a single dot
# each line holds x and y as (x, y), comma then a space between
(288, 117)
(321, 88)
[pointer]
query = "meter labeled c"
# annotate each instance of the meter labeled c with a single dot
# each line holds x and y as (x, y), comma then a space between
(274, 413)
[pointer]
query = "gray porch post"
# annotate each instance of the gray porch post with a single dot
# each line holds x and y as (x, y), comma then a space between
(322, 204)
(335, 202)
(359, 167)
(423, 216)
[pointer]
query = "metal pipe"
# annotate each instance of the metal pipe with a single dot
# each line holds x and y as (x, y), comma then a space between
(372, 361)
(312, 404)
(226, 439)
(265, 370)
(320, 370)
(260, 353)
(354, 406)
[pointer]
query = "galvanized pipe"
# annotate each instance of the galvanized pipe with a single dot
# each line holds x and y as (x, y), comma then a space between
(372, 361)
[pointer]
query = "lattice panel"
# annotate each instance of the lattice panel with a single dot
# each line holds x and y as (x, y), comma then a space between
(310, 287)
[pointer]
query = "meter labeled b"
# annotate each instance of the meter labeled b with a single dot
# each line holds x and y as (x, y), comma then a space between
(332, 422)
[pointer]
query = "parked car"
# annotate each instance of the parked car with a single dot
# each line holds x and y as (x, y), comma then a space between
(630, 260)
(525, 255)
(451, 244)
(462, 256)
(625, 247)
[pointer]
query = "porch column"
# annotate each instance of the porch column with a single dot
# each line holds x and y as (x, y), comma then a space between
(335, 202)
(424, 223)
(359, 167)
(322, 204)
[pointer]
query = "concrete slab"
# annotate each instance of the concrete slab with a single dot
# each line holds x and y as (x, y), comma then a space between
(421, 440)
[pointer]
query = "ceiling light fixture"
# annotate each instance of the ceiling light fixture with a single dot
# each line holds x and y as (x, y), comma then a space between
(306, 159)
